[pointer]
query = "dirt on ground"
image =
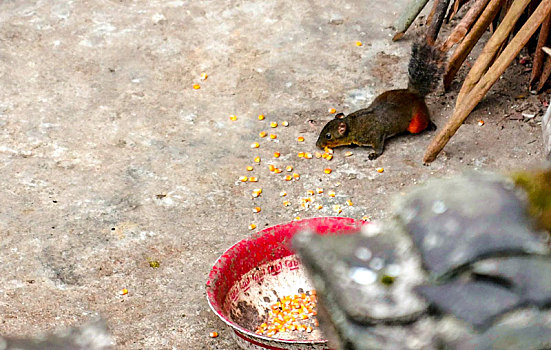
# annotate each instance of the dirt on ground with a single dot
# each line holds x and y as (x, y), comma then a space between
(112, 162)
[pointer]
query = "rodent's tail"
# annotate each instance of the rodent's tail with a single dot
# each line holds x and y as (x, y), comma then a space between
(426, 65)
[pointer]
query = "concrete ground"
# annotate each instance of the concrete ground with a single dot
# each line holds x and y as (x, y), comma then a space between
(111, 160)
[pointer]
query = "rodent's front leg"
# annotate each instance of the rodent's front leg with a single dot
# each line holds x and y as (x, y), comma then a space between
(378, 146)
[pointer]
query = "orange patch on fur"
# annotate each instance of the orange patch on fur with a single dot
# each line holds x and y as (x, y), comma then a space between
(418, 123)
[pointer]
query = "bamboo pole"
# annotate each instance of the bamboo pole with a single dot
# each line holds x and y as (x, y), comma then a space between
(490, 50)
(486, 82)
(466, 23)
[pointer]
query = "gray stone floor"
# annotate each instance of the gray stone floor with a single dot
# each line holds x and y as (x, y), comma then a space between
(110, 159)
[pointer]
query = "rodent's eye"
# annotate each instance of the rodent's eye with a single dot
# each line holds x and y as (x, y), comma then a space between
(328, 136)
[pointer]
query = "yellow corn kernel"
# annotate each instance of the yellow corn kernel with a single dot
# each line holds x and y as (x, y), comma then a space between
(300, 139)
(256, 210)
(252, 226)
(329, 156)
(261, 117)
(319, 207)
(282, 193)
(243, 178)
(331, 193)
(257, 192)
(288, 177)
(310, 192)
(253, 179)
(300, 154)
(123, 291)
(318, 155)
(271, 167)
(273, 124)
(349, 202)
(327, 170)
(480, 122)
(359, 43)
(332, 110)
(273, 136)
(277, 154)
(285, 123)
(277, 170)
(249, 168)
(297, 218)
(196, 86)
(257, 159)
(380, 170)
(319, 190)
(308, 155)
(289, 168)
(213, 334)
(328, 150)
(262, 134)
(348, 154)
(296, 176)
(204, 76)
(255, 145)
(233, 117)
(366, 218)
(337, 209)
(286, 203)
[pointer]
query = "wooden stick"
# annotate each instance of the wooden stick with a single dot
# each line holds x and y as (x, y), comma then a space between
(539, 55)
(432, 12)
(545, 74)
(466, 23)
(491, 48)
(440, 13)
(456, 6)
(463, 50)
(486, 82)
(407, 17)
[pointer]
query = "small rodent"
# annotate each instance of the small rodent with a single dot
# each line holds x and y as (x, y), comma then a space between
(392, 112)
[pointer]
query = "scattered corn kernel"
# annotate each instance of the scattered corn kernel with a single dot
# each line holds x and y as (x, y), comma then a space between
(204, 76)
(282, 193)
(300, 154)
(348, 154)
(308, 155)
(366, 218)
(337, 209)
(256, 210)
(233, 117)
(349, 202)
(249, 168)
(317, 155)
(319, 207)
(123, 291)
(273, 124)
(319, 190)
(271, 167)
(253, 179)
(300, 139)
(257, 192)
(213, 334)
(327, 170)
(277, 154)
(329, 156)
(285, 123)
(277, 170)
(243, 178)
(380, 170)
(296, 176)
(289, 168)
(257, 159)
(262, 134)
(288, 177)
(273, 136)
(359, 43)
(480, 122)
(328, 150)
(286, 203)
(297, 218)
(255, 145)
(332, 110)
(310, 192)
(261, 117)
(252, 226)
(196, 86)
(331, 193)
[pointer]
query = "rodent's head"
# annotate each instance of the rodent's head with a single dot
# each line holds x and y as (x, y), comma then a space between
(335, 133)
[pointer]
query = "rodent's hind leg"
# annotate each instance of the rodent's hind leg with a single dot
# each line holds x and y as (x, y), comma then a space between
(378, 148)
(431, 126)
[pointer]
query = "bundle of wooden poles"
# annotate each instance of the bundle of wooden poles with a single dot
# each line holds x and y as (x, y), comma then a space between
(513, 23)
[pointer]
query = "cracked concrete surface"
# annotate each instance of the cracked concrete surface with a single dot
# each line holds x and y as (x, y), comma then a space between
(110, 159)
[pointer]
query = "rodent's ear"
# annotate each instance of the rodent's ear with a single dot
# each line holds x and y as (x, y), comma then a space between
(339, 115)
(342, 128)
